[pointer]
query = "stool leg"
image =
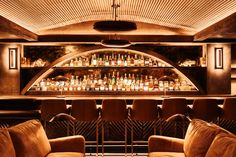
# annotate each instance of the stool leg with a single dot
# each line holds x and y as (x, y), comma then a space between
(102, 138)
(97, 138)
(125, 137)
(132, 138)
(67, 128)
(74, 126)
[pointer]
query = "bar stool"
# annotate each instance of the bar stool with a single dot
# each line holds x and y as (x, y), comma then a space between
(143, 111)
(229, 108)
(55, 110)
(205, 109)
(114, 110)
(174, 110)
(85, 111)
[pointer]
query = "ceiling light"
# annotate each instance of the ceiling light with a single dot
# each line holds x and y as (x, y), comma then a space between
(115, 43)
(109, 25)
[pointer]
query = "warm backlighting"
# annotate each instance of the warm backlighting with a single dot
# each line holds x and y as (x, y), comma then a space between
(12, 58)
(218, 58)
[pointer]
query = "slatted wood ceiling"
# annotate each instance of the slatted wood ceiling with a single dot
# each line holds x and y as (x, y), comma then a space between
(194, 15)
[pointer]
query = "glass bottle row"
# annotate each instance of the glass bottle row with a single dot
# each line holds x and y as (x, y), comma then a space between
(120, 60)
(112, 82)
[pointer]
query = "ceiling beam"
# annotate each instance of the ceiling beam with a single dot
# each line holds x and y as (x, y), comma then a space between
(131, 38)
(12, 28)
(225, 26)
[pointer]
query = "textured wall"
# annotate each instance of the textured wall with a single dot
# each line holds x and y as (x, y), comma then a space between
(9, 79)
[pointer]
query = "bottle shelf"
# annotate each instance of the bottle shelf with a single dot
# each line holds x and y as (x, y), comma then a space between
(110, 67)
(111, 93)
(109, 73)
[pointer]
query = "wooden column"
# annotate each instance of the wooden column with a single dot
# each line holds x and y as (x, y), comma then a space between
(9, 78)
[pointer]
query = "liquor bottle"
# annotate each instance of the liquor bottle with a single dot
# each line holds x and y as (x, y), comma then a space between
(125, 79)
(71, 63)
(141, 61)
(150, 62)
(151, 84)
(113, 79)
(105, 79)
(136, 63)
(129, 79)
(146, 83)
(106, 63)
(118, 60)
(94, 60)
(141, 84)
(72, 80)
(80, 62)
(122, 61)
(87, 62)
(146, 62)
(76, 62)
(113, 60)
(161, 85)
(132, 61)
(128, 60)
(155, 84)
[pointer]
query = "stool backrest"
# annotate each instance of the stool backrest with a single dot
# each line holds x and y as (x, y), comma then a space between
(144, 110)
(84, 110)
(229, 108)
(205, 109)
(172, 106)
(51, 107)
(114, 110)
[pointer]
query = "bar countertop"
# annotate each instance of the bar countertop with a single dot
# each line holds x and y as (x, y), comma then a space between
(71, 97)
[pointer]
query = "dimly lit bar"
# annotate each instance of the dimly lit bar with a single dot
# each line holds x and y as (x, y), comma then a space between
(111, 78)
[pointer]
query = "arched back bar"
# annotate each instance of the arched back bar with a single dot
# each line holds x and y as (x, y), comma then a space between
(90, 49)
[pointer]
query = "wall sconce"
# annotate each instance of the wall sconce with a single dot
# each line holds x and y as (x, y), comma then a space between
(12, 58)
(218, 58)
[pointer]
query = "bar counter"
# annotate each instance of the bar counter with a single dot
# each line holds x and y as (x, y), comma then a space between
(189, 98)
(156, 97)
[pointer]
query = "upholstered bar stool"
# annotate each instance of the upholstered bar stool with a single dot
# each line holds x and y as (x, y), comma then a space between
(229, 108)
(143, 111)
(114, 110)
(205, 109)
(85, 111)
(174, 110)
(55, 110)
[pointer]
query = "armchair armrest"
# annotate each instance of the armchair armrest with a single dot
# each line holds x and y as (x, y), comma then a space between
(68, 144)
(165, 144)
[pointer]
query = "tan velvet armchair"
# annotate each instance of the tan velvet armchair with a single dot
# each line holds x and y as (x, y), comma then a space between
(29, 140)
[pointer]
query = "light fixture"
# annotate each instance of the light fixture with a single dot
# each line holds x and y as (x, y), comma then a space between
(219, 58)
(12, 58)
(111, 26)
(115, 43)
(114, 26)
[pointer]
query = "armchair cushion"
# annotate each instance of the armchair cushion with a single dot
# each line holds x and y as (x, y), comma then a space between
(223, 145)
(29, 139)
(68, 144)
(199, 137)
(6, 145)
(166, 154)
(66, 154)
(165, 144)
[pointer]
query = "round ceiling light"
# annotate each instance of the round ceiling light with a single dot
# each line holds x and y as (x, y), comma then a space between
(109, 26)
(115, 43)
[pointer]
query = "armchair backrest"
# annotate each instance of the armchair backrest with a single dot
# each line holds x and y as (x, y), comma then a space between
(29, 139)
(6, 145)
